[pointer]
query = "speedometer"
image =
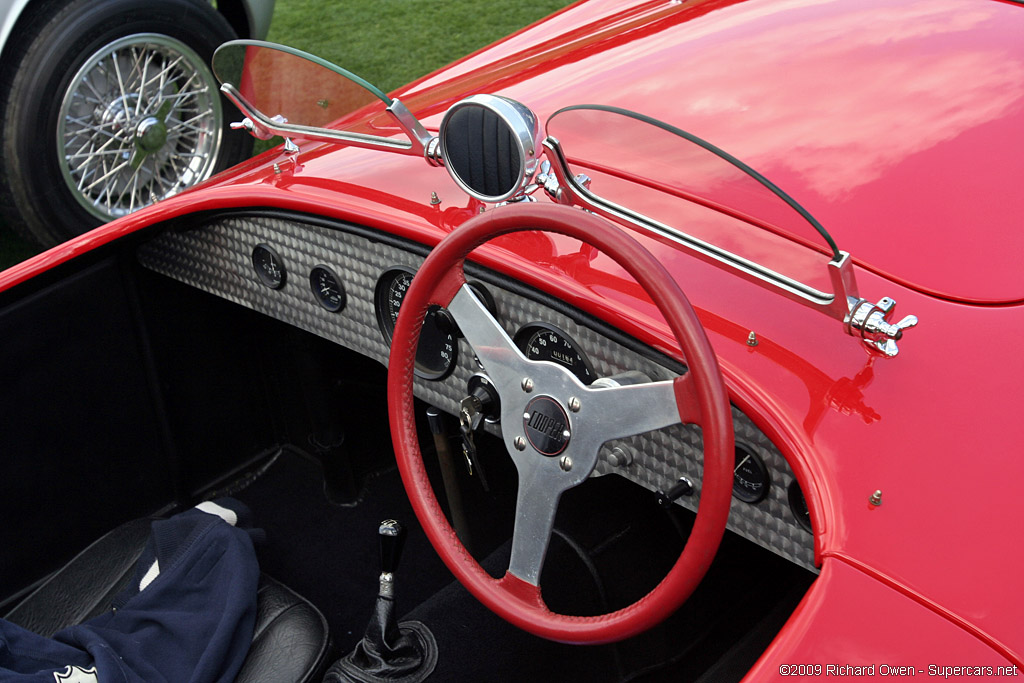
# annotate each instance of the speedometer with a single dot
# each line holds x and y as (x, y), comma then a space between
(541, 341)
(435, 352)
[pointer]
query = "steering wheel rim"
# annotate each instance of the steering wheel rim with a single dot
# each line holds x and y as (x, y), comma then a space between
(700, 398)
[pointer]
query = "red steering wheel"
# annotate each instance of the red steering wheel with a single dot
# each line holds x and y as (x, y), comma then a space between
(542, 427)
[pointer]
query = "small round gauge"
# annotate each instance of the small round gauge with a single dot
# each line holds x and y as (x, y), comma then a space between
(268, 265)
(750, 478)
(798, 505)
(435, 353)
(541, 341)
(327, 288)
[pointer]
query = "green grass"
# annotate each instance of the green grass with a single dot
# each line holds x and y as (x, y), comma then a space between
(388, 42)
(392, 42)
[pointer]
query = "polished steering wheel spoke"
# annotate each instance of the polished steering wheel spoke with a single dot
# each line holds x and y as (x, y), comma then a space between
(536, 506)
(502, 360)
(617, 412)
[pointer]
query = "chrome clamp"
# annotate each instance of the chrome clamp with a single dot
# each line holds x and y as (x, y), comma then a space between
(871, 323)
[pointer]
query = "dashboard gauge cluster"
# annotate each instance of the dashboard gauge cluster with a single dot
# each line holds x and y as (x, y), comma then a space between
(343, 284)
(540, 341)
(438, 348)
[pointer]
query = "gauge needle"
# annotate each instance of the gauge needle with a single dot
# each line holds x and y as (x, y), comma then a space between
(742, 462)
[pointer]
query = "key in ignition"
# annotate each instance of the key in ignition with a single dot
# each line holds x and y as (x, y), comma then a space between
(481, 404)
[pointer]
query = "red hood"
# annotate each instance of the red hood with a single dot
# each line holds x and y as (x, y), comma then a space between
(898, 123)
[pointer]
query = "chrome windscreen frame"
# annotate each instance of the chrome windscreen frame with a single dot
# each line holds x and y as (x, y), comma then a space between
(860, 317)
(264, 128)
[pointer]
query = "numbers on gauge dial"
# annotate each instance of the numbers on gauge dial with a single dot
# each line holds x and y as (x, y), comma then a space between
(541, 341)
(438, 344)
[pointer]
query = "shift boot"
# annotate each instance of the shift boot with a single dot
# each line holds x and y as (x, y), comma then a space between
(389, 651)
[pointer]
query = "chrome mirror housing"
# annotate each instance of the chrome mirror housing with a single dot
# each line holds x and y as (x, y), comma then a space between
(491, 147)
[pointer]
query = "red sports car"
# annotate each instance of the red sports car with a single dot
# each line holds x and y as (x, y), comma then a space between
(681, 336)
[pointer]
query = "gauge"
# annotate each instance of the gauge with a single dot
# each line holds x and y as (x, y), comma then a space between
(268, 265)
(750, 478)
(541, 341)
(327, 288)
(435, 353)
(798, 505)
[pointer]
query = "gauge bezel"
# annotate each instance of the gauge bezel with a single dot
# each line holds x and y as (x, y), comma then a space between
(319, 297)
(387, 326)
(265, 279)
(744, 494)
(523, 335)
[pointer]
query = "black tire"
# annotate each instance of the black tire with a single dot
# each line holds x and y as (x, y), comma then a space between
(58, 47)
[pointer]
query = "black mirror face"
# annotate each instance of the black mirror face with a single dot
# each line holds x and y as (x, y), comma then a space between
(489, 145)
(481, 151)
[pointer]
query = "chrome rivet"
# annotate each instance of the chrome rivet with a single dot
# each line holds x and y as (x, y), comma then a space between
(565, 462)
(527, 384)
(566, 434)
(434, 199)
(876, 498)
(520, 443)
(574, 404)
(526, 416)
(752, 338)
(277, 168)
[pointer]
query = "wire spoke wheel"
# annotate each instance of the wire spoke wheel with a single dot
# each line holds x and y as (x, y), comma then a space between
(140, 121)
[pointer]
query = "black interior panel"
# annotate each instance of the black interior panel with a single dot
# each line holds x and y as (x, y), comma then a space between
(81, 442)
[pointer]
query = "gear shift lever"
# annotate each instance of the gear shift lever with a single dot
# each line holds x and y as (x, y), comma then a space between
(389, 651)
(392, 540)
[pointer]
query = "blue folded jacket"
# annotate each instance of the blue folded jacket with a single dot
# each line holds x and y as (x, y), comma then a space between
(187, 616)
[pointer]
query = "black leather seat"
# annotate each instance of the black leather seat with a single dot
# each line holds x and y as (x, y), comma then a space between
(290, 641)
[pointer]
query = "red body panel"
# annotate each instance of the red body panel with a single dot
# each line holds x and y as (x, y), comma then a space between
(900, 125)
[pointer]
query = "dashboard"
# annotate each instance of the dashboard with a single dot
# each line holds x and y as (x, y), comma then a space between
(346, 283)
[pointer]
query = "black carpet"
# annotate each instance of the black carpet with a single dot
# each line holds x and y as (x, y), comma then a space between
(329, 553)
(601, 557)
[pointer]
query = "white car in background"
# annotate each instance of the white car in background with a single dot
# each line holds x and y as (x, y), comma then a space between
(107, 106)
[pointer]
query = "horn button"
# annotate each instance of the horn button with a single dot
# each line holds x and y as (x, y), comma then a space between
(546, 426)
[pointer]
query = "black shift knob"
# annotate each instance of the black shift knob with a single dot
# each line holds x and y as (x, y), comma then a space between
(392, 538)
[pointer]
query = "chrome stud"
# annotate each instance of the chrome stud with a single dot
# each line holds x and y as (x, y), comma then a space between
(520, 443)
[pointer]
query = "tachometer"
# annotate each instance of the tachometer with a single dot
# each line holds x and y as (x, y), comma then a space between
(435, 353)
(541, 341)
